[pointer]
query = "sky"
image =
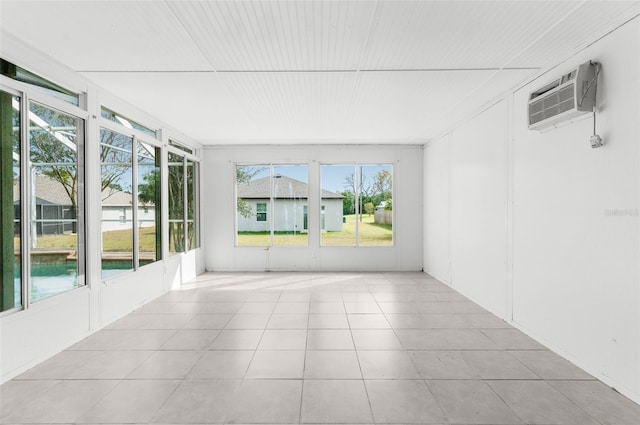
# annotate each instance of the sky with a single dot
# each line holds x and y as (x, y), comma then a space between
(333, 176)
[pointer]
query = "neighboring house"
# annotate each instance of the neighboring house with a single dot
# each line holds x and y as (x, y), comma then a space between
(117, 211)
(53, 207)
(290, 206)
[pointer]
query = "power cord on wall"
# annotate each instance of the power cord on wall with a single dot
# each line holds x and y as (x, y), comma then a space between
(595, 140)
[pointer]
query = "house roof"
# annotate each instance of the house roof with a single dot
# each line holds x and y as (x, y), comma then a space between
(51, 192)
(48, 191)
(112, 198)
(285, 188)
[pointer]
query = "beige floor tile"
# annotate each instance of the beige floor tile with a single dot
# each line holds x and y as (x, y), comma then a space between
(536, 402)
(329, 339)
(332, 364)
(221, 364)
(403, 402)
(266, 401)
(278, 364)
(472, 402)
(237, 339)
(199, 401)
(65, 402)
(335, 401)
(387, 365)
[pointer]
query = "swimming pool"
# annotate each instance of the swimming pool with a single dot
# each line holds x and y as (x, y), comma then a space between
(48, 279)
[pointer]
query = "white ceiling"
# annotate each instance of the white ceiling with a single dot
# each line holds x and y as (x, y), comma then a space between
(386, 71)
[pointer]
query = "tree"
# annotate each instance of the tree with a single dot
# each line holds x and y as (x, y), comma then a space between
(148, 190)
(348, 202)
(244, 175)
(53, 151)
(176, 197)
(149, 194)
(364, 189)
(116, 160)
(383, 183)
(369, 208)
(382, 187)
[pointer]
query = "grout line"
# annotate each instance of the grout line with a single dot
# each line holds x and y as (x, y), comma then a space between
(366, 390)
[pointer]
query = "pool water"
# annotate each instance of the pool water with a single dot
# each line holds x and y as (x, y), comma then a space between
(48, 279)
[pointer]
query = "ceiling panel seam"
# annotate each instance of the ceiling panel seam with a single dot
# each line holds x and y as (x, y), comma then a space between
(503, 67)
(356, 84)
(544, 33)
(184, 27)
(310, 71)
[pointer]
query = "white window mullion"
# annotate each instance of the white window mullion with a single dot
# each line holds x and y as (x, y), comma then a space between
(134, 202)
(185, 193)
(271, 214)
(25, 202)
(356, 184)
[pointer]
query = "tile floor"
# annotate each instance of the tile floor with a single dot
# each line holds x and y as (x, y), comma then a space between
(292, 348)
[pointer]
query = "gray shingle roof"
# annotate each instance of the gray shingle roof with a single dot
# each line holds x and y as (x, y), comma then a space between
(284, 187)
(114, 198)
(48, 191)
(52, 192)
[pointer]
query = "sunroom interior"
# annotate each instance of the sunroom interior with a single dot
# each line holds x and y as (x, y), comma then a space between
(146, 143)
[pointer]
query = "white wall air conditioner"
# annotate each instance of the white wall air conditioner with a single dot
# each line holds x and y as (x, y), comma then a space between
(568, 97)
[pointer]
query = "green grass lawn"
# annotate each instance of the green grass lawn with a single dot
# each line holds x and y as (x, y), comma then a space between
(371, 234)
(121, 240)
(279, 239)
(114, 241)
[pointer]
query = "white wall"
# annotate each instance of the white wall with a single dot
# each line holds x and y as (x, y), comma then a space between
(544, 230)
(576, 269)
(219, 206)
(30, 336)
(478, 198)
(436, 209)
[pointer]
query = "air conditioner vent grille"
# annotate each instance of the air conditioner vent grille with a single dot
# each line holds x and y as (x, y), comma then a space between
(564, 99)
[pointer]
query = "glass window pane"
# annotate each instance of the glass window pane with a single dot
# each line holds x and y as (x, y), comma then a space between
(338, 208)
(191, 204)
(19, 74)
(253, 192)
(176, 203)
(149, 204)
(116, 159)
(290, 192)
(180, 146)
(10, 229)
(56, 233)
(126, 122)
(376, 205)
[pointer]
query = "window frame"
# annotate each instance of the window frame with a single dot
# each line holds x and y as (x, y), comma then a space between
(357, 166)
(24, 191)
(136, 136)
(121, 119)
(81, 216)
(48, 91)
(29, 94)
(271, 201)
(260, 212)
(186, 157)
